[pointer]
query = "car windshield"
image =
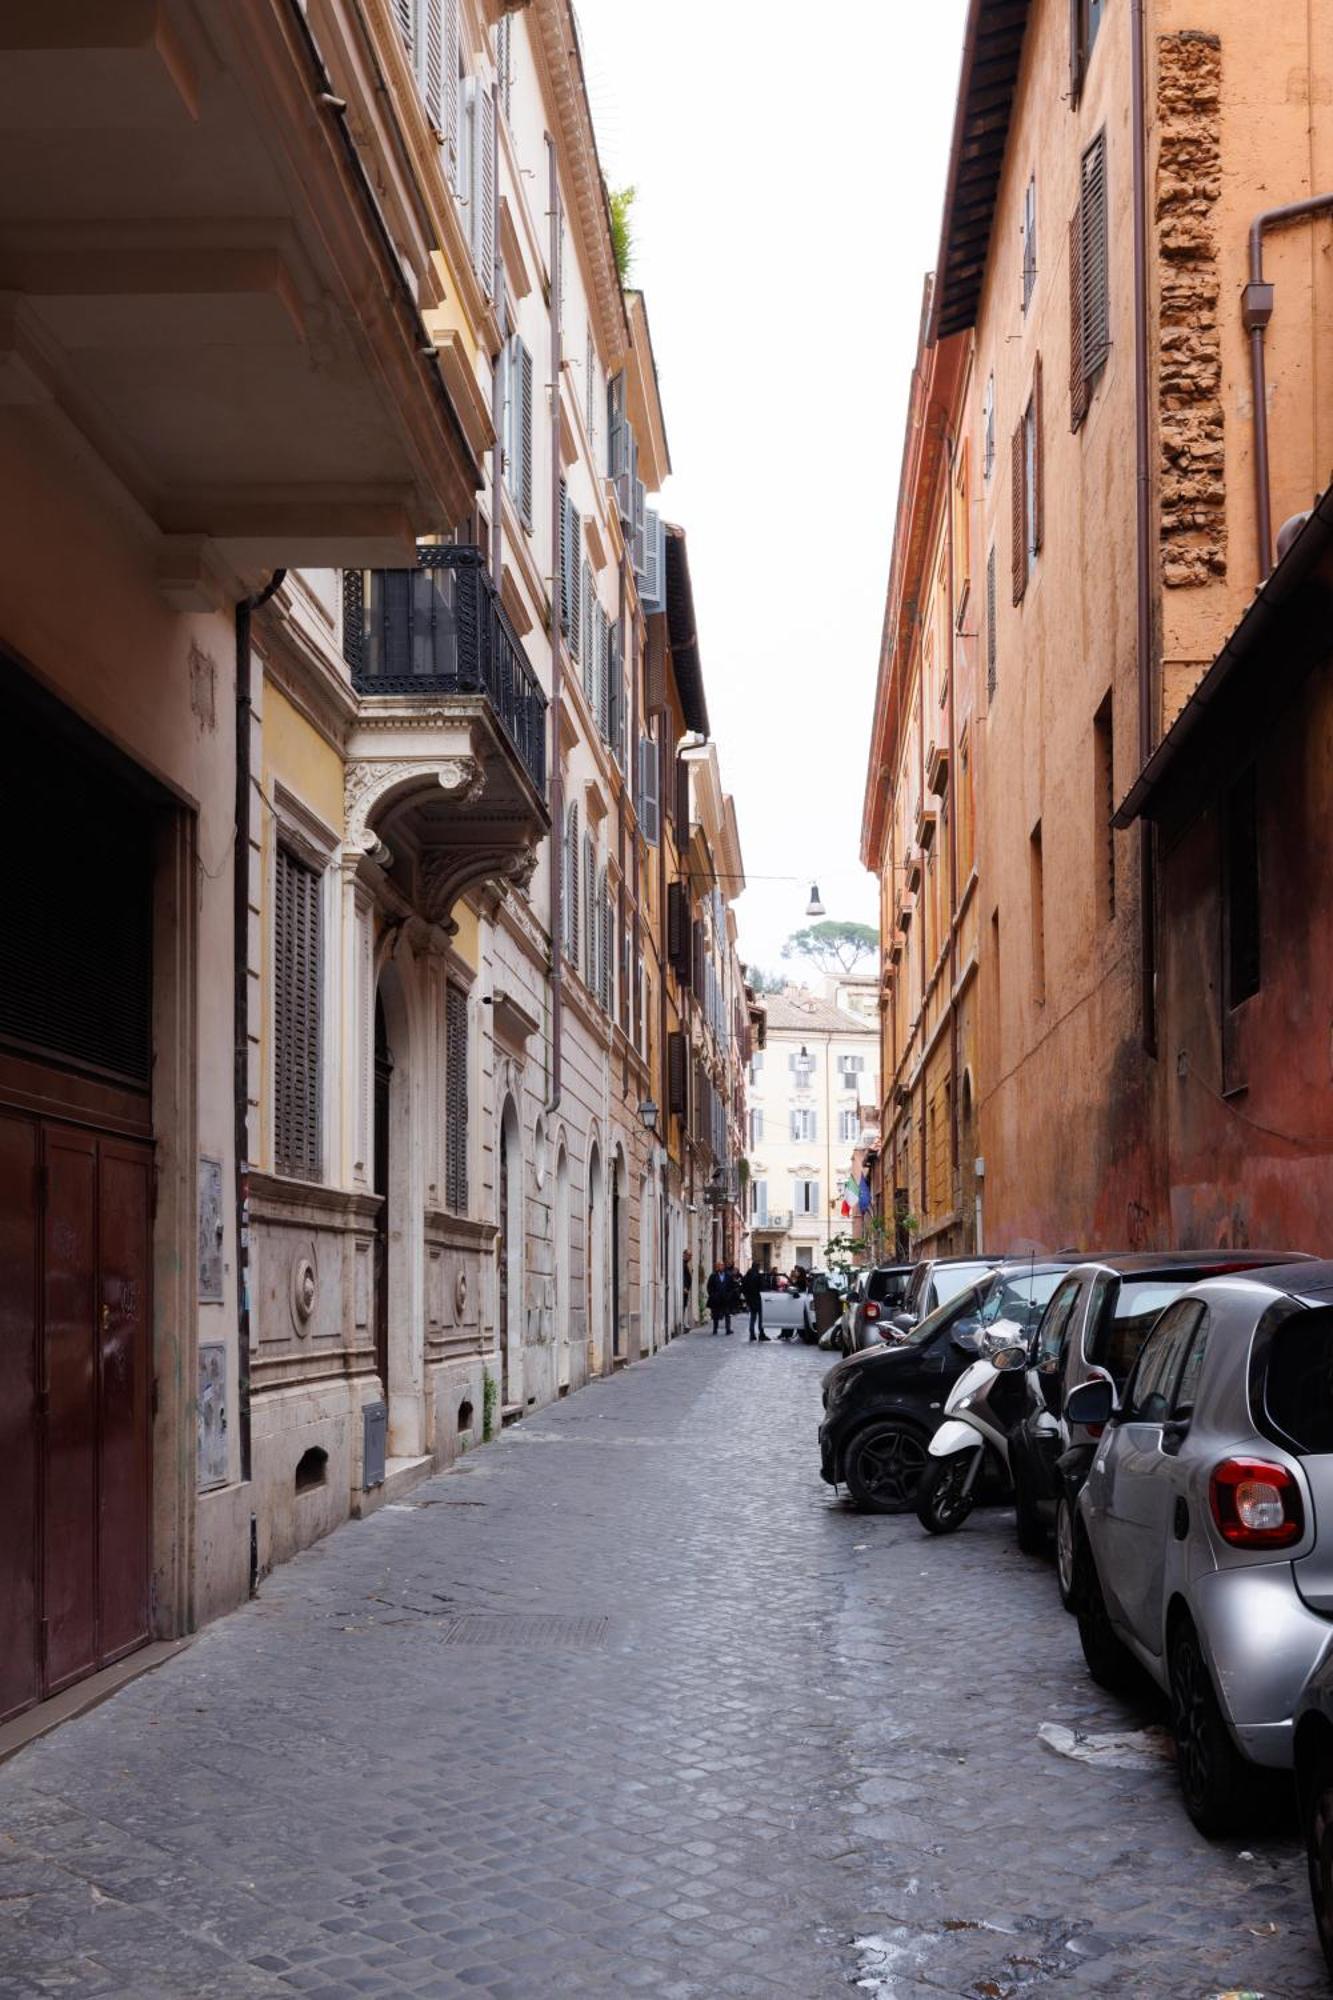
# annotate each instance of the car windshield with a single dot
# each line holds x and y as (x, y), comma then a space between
(951, 1279)
(947, 1315)
(1127, 1317)
(1019, 1298)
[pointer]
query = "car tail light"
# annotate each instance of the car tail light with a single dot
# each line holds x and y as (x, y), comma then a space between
(870, 1309)
(1256, 1505)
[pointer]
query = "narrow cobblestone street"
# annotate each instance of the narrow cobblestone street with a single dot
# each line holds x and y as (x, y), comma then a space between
(629, 1703)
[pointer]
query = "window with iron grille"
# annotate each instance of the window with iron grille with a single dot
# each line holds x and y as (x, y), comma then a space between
(1089, 298)
(298, 1078)
(455, 1101)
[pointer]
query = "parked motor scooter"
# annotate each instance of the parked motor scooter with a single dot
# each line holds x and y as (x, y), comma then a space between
(982, 1410)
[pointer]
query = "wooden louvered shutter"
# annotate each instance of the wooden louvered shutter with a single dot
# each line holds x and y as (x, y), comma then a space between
(575, 578)
(484, 218)
(405, 14)
(586, 619)
(433, 80)
(1076, 52)
(682, 803)
(456, 1104)
(525, 433)
(450, 94)
(677, 923)
(504, 59)
(1036, 499)
(1018, 515)
(297, 1067)
(1096, 328)
(677, 1073)
(563, 591)
(589, 912)
(991, 634)
(650, 810)
(1079, 393)
(572, 908)
(605, 694)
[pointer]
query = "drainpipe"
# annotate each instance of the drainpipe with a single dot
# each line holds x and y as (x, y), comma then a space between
(241, 899)
(557, 655)
(498, 374)
(953, 830)
(1143, 523)
(1256, 311)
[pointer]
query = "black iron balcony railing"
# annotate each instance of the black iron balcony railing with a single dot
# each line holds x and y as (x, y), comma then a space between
(440, 629)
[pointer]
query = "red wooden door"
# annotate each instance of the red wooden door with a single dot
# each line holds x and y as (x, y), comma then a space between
(75, 1223)
(19, 1141)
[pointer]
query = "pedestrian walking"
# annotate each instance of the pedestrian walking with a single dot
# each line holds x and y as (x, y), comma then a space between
(719, 1297)
(687, 1272)
(752, 1291)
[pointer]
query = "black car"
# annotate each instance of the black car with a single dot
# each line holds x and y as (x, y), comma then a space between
(882, 1407)
(1094, 1326)
(936, 1280)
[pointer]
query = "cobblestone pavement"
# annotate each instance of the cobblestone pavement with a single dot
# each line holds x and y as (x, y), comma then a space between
(630, 1704)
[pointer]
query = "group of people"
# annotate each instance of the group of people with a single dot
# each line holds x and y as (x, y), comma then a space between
(728, 1292)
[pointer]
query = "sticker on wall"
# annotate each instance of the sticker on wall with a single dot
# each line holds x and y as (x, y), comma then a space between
(212, 1415)
(210, 1232)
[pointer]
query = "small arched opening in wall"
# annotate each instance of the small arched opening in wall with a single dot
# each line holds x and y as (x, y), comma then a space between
(509, 1253)
(312, 1469)
(595, 1266)
(562, 1260)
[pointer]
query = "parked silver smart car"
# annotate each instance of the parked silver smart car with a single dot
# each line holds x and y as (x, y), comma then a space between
(1198, 1550)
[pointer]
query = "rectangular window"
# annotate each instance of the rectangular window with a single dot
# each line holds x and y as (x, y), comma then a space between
(1103, 809)
(849, 1127)
(518, 427)
(962, 546)
(298, 1070)
(803, 1127)
(759, 1201)
(1029, 241)
(988, 430)
(851, 1066)
(1085, 18)
(455, 1101)
(966, 809)
(1037, 909)
(807, 1197)
(802, 1064)
(756, 1128)
(1241, 887)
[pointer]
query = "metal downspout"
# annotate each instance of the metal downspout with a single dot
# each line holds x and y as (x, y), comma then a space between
(1143, 523)
(557, 656)
(1256, 312)
(241, 900)
(953, 832)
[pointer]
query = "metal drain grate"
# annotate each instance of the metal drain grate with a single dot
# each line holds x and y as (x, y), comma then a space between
(527, 1634)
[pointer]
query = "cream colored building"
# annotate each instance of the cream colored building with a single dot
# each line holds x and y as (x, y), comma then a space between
(322, 639)
(808, 1085)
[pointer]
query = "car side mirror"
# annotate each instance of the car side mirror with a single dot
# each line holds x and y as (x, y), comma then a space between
(1091, 1403)
(903, 1321)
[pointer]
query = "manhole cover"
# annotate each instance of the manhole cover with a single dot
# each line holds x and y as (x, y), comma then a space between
(528, 1634)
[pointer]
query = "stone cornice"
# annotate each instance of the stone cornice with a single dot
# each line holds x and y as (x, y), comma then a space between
(576, 146)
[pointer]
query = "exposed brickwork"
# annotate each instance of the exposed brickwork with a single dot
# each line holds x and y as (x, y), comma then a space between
(1189, 361)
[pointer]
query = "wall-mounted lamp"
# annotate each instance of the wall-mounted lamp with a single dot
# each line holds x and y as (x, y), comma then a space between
(648, 1115)
(814, 908)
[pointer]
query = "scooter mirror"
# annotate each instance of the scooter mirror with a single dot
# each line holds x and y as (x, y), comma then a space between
(1007, 1359)
(967, 1339)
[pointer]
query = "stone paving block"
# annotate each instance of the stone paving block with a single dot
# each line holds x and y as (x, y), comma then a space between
(800, 1730)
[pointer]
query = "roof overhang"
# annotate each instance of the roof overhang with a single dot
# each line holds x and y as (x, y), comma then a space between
(643, 400)
(992, 52)
(200, 281)
(1287, 629)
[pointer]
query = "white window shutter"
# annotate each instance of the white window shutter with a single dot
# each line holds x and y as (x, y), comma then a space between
(654, 568)
(525, 433)
(485, 252)
(433, 68)
(450, 96)
(650, 811)
(405, 13)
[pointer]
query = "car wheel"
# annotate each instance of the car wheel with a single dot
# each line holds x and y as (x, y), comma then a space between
(1317, 1815)
(1109, 1660)
(1064, 1551)
(1215, 1780)
(944, 1498)
(1031, 1528)
(883, 1467)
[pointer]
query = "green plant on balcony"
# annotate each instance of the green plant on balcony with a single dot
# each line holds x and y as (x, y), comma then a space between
(621, 202)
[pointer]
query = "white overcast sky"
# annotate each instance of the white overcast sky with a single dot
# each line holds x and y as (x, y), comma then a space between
(790, 174)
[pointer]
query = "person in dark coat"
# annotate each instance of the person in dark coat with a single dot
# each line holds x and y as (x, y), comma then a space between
(753, 1293)
(719, 1297)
